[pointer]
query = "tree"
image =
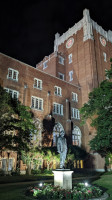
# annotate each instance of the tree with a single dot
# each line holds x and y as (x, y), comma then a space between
(51, 155)
(99, 110)
(33, 158)
(14, 117)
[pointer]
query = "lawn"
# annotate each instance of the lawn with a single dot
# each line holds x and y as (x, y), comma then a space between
(13, 192)
(106, 181)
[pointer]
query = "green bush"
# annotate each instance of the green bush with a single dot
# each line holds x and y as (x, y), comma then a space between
(46, 171)
(36, 171)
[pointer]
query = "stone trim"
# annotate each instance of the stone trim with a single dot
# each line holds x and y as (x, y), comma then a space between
(88, 25)
(99, 29)
(61, 39)
(103, 197)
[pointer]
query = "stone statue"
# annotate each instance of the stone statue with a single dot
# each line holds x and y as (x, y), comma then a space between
(62, 149)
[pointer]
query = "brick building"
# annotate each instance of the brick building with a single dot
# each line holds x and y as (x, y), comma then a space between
(60, 83)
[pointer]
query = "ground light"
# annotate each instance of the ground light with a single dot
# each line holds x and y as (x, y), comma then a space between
(86, 184)
(40, 184)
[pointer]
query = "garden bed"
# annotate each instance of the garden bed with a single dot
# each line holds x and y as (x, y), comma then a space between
(79, 192)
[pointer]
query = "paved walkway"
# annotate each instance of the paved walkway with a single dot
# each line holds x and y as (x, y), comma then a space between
(47, 181)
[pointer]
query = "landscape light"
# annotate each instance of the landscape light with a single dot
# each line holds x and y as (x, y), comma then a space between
(40, 184)
(86, 184)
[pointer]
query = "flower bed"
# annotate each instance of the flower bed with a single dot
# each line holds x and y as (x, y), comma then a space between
(79, 192)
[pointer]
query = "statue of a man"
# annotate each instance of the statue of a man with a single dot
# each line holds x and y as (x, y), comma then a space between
(62, 149)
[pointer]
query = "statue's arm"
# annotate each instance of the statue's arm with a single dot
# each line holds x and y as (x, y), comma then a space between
(58, 147)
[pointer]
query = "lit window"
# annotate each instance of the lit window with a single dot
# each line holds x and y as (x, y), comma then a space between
(37, 103)
(58, 109)
(61, 76)
(75, 113)
(74, 97)
(12, 74)
(14, 94)
(45, 65)
(71, 75)
(37, 83)
(70, 58)
(105, 56)
(61, 60)
(76, 136)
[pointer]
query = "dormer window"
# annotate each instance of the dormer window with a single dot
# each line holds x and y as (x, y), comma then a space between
(61, 60)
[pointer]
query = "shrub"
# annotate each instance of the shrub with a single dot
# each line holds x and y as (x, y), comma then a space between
(46, 171)
(36, 171)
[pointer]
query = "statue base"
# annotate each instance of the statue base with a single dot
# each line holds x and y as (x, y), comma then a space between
(63, 178)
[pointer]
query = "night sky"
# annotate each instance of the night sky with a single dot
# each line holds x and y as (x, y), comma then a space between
(27, 29)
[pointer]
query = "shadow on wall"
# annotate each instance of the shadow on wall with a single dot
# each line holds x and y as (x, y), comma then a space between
(88, 162)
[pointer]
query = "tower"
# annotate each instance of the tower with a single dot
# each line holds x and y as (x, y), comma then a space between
(81, 56)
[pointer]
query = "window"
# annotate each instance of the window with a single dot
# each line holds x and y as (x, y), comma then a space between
(74, 97)
(105, 56)
(58, 109)
(75, 113)
(58, 91)
(37, 103)
(45, 65)
(14, 94)
(70, 58)
(61, 76)
(37, 83)
(12, 74)
(71, 75)
(76, 136)
(61, 60)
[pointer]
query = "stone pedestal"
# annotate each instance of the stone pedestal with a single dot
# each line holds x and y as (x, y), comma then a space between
(63, 178)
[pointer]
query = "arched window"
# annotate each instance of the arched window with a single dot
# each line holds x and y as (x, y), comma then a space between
(56, 132)
(76, 136)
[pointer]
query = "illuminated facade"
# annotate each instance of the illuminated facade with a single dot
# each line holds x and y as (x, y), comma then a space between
(60, 83)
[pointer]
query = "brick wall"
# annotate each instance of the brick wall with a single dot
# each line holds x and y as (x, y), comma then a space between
(26, 78)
